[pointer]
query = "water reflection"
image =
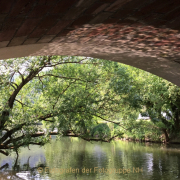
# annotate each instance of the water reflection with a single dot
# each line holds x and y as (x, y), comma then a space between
(73, 158)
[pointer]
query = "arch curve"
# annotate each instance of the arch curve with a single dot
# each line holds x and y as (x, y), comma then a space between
(143, 34)
(159, 66)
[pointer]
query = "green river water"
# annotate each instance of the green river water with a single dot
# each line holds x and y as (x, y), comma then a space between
(73, 158)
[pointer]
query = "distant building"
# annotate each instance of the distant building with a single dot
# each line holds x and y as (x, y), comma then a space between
(143, 117)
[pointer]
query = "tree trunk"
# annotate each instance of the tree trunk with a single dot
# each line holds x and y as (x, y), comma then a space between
(166, 135)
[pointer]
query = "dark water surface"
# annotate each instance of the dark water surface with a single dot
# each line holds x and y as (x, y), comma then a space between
(73, 158)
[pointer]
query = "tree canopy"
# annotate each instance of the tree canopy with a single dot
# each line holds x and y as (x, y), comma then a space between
(67, 93)
(156, 98)
(73, 93)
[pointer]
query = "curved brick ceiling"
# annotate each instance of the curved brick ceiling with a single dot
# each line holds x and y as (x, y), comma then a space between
(141, 33)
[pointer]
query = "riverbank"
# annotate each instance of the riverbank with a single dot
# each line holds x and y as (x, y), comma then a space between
(174, 141)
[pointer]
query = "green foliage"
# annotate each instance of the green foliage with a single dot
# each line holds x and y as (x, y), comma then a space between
(154, 97)
(67, 93)
(101, 130)
(144, 130)
(73, 93)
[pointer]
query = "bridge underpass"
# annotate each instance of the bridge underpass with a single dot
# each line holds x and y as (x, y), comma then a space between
(143, 34)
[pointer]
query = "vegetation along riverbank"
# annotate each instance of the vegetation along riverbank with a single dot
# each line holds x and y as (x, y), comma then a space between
(94, 99)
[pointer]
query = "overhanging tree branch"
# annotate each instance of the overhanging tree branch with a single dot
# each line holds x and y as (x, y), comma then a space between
(62, 93)
(10, 132)
(22, 103)
(62, 77)
(109, 121)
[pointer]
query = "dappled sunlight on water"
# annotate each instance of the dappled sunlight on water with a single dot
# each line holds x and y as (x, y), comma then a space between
(73, 158)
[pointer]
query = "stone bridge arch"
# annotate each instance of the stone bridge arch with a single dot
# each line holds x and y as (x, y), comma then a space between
(143, 34)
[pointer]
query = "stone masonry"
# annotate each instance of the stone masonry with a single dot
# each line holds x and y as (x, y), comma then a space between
(148, 28)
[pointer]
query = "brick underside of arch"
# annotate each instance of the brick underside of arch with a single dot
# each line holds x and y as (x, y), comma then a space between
(145, 35)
